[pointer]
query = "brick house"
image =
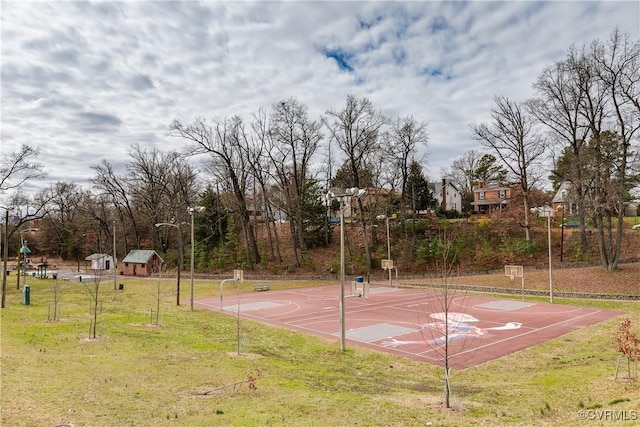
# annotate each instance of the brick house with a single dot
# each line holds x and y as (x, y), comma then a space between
(489, 199)
(141, 263)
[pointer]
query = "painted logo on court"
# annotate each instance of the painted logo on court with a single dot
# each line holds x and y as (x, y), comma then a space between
(454, 327)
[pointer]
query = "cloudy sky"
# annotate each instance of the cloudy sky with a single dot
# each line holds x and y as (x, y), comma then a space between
(84, 81)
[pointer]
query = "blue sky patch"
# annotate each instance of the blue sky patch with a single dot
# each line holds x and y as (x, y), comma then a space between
(341, 57)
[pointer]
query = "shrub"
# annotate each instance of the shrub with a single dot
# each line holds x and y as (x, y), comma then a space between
(429, 250)
(518, 247)
(483, 223)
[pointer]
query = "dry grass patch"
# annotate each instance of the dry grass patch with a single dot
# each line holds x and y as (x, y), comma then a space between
(184, 372)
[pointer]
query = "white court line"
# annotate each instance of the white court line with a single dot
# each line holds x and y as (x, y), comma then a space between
(533, 331)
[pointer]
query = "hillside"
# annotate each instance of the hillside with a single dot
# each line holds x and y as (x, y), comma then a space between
(481, 252)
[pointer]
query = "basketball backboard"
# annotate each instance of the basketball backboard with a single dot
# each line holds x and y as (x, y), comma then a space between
(513, 271)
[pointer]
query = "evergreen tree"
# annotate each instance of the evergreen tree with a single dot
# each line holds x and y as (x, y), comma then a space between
(419, 195)
(211, 225)
(344, 177)
(489, 171)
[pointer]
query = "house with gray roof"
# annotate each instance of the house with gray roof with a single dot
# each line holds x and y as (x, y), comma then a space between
(564, 201)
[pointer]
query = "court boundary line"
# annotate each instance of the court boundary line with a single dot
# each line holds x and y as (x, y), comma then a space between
(408, 302)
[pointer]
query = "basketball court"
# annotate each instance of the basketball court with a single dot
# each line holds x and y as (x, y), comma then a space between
(412, 322)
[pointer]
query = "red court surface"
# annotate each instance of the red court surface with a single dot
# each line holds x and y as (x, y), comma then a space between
(411, 323)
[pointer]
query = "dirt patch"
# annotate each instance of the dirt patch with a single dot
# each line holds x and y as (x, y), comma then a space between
(590, 280)
(248, 356)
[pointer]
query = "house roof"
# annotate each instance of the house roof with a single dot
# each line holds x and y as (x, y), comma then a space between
(139, 256)
(437, 185)
(491, 188)
(97, 256)
(563, 193)
(488, 202)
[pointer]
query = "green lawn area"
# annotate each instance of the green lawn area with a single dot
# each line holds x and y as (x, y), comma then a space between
(187, 370)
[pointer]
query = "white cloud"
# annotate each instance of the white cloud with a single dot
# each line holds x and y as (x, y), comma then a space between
(84, 81)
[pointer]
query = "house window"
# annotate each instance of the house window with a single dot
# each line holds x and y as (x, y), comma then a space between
(503, 194)
(481, 195)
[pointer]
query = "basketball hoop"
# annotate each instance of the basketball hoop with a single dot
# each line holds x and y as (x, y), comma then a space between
(387, 264)
(514, 271)
(238, 275)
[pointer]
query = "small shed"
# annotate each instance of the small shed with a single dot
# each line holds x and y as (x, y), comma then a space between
(101, 261)
(141, 263)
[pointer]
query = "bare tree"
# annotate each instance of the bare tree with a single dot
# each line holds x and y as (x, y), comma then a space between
(24, 210)
(512, 136)
(294, 141)
(19, 167)
(65, 221)
(356, 129)
(53, 313)
(615, 66)
(449, 325)
(116, 186)
(16, 168)
(561, 95)
(222, 143)
(462, 174)
(162, 184)
(159, 291)
(445, 302)
(92, 286)
(401, 144)
(261, 167)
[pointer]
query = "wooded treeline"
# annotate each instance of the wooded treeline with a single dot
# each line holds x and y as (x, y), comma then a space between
(280, 164)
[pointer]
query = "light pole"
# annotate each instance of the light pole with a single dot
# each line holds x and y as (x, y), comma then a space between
(349, 192)
(5, 253)
(114, 257)
(191, 211)
(180, 255)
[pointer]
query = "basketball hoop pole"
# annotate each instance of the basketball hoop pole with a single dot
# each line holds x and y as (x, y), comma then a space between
(546, 211)
(342, 327)
(237, 277)
(513, 271)
(549, 240)
(388, 249)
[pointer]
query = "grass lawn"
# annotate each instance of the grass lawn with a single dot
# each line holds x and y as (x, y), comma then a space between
(187, 370)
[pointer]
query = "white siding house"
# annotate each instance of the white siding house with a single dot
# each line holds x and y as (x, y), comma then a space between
(448, 196)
